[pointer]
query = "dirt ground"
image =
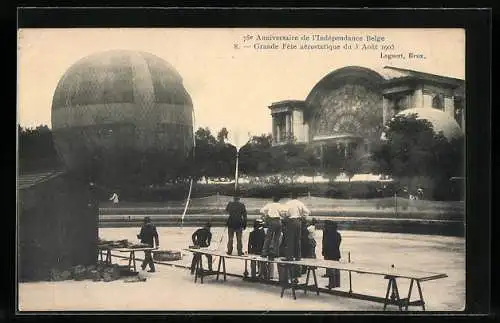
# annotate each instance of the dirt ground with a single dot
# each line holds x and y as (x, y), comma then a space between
(173, 289)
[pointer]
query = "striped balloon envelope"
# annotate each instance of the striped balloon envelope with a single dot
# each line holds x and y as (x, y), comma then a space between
(121, 100)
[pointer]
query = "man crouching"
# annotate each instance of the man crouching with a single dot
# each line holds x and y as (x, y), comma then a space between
(201, 239)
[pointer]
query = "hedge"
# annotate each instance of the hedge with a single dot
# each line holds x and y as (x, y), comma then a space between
(339, 190)
(173, 192)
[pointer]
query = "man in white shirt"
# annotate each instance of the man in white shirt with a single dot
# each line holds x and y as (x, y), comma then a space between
(272, 216)
(296, 211)
(115, 199)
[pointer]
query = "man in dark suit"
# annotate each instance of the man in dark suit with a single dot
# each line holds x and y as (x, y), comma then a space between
(255, 245)
(236, 223)
(201, 239)
(331, 251)
(148, 235)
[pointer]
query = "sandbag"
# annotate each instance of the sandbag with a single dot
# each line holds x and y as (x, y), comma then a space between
(59, 275)
(79, 272)
(166, 255)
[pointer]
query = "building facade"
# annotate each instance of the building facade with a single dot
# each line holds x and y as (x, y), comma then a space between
(349, 107)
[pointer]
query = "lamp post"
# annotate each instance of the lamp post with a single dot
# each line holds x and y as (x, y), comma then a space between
(238, 140)
(236, 170)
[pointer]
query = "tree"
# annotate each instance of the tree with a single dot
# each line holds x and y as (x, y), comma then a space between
(408, 149)
(36, 149)
(203, 164)
(222, 135)
(213, 157)
(256, 157)
(263, 141)
(412, 149)
(333, 161)
(351, 166)
(292, 160)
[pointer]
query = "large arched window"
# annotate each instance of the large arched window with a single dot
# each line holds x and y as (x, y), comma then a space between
(437, 102)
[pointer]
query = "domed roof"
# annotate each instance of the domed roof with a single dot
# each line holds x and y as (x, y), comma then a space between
(341, 76)
(440, 120)
(120, 76)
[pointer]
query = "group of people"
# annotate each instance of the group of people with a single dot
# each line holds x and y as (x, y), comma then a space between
(284, 230)
(285, 224)
(287, 230)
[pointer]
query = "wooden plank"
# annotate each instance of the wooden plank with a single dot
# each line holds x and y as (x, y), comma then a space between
(133, 249)
(437, 276)
(342, 293)
(340, 265)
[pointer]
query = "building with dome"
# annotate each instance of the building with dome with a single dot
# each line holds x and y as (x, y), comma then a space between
(349, 107)
(120, 99)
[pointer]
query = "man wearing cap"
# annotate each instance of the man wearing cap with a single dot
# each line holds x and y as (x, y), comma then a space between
(147, 235)
(236, 223)
(255, 245)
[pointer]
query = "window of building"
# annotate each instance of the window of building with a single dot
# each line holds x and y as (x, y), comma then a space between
(437, 102)
(400, 103)
(281, 127)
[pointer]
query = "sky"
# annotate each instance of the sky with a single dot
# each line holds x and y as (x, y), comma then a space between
(231, 87)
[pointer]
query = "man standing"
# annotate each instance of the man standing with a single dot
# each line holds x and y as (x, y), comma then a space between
(331, 251)
(115, 198)
(236, 223)
(255, 244)
(296, 211)
(272, 216)
(147, 235)
(311, 231)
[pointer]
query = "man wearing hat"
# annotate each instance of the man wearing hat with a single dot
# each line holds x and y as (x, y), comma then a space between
(147, 235)
(255, 245)
(236, 224)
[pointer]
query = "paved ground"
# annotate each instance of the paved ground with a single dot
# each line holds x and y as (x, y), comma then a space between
(173, 288)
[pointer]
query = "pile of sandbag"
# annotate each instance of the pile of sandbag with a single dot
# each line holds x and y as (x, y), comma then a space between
(59, 275)
(114, 243)
(100, 272)
(166, 255)
(120, 244)
(106, 273)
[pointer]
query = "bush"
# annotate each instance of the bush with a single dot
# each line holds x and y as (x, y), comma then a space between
(179, 192)
(339, 190)
(356, 190)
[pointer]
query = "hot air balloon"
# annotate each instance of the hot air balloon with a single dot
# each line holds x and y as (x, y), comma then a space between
(121, 103)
